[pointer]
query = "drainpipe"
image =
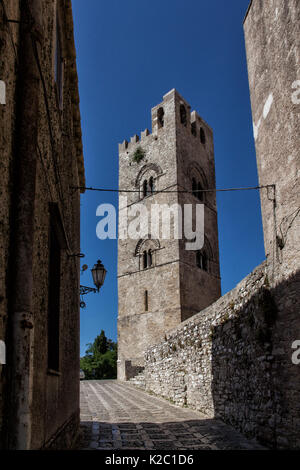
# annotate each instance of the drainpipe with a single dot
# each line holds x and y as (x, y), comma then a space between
(21, 328)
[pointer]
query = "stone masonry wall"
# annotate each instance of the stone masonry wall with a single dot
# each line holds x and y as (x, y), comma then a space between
(233, 361)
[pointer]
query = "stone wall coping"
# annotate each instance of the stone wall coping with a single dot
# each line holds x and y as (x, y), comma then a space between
(235, 293)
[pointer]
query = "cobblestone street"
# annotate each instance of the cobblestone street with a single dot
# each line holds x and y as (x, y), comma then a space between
(115, 415)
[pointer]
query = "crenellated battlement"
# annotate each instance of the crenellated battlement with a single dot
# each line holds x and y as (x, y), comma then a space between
(125, 145)
(173, 110)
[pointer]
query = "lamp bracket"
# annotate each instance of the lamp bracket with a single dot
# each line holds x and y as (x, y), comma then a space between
(86, 290)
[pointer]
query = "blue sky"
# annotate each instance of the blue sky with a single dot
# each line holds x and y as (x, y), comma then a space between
(129, 54)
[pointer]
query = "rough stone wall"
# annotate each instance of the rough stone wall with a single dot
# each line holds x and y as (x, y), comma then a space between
(272, 32)
(180, 368)
(233, 361)
(55, 410)
(172, 155)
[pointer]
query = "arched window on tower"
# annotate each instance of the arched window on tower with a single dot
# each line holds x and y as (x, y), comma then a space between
(145, 259)
(160, 117)
(146, 251)
(202, 260)
(183, 115)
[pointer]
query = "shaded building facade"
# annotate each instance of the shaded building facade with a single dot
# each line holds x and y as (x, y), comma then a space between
(41, 158)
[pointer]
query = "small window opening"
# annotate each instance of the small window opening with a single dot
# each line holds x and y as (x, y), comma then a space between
(202, 136)
(193, 129)
(183, 115)
(146, 300)
(160, 117)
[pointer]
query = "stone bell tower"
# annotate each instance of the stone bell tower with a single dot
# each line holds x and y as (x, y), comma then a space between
(160, 282)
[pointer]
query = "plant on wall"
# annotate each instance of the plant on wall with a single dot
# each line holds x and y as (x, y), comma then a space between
(138, 155)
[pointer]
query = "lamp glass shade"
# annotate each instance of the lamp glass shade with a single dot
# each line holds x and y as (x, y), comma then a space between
(98, 273)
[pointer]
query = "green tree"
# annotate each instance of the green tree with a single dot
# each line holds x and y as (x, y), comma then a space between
(100, 360)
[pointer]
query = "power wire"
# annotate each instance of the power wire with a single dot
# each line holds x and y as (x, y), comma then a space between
(171, 191)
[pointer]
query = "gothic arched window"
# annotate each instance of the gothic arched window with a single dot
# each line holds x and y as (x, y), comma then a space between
(143, 181)
(146, 250)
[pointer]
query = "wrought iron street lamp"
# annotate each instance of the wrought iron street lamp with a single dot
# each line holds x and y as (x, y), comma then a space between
(98, 273)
